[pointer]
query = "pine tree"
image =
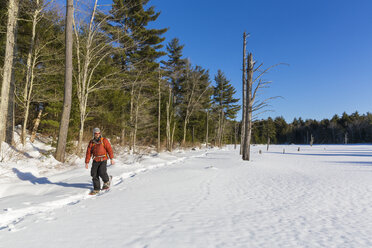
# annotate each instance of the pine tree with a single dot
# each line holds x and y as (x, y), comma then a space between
(131, 18)
(224, 100)
(174, 68)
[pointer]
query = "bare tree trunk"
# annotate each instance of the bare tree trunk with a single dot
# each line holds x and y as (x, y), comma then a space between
(8, 65)
(235, 135)
(172, 138)
(63, 129)
(215, 136)
(219, 130)
(36, 125)
(131, 118)
(184, 130)
(159, 113)
(136, 113)
(223, 130)
(207, 131)
(193, 134)
(244, 94)
(268, 143)
(167, 131)
(135, 128)
(168, 128)
(9, 137)
(248, 112)
(122, 139)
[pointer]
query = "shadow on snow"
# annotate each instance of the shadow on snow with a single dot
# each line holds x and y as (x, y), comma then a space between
(328, 154)
(361, 163)
(27, 176)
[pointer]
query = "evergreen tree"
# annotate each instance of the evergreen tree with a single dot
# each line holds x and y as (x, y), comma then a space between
(175, 65)
(174, 69)
(223, 97)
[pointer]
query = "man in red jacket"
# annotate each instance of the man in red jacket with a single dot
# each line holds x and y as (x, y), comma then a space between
(100, 149)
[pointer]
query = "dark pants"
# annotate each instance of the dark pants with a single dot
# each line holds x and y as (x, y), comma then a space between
(99, 170)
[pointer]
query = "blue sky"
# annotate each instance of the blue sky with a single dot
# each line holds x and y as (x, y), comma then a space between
(327, 44)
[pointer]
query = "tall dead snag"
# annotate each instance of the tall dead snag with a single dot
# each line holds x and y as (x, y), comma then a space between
(8, 65)
(252, 105)
(248, 109)
(244, 93)
(63, 128)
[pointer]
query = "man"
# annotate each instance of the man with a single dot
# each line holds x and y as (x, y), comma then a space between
(100, 149)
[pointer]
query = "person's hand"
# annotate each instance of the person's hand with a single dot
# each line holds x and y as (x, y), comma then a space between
(86, 165)
(112, 161)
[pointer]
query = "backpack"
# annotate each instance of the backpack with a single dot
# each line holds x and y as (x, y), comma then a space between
(91, 151)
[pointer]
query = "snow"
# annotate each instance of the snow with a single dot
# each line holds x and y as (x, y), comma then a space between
(320, 196)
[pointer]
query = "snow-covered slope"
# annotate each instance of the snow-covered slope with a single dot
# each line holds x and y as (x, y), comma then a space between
(320, 196)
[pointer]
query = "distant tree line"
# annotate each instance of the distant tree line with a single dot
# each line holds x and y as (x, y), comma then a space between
(353, 128)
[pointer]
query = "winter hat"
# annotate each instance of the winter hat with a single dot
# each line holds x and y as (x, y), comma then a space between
(96, 130)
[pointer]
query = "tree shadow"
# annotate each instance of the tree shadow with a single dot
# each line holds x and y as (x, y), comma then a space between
(27, 176)
(351, 154)
(19, 151)
(358, 163)
(42, 151)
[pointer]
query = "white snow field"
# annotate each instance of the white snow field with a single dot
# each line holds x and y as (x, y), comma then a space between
(320, 196)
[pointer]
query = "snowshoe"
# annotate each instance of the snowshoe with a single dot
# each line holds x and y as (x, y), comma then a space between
(106, 185)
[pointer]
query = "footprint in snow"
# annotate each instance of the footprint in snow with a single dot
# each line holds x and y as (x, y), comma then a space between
(210, 167)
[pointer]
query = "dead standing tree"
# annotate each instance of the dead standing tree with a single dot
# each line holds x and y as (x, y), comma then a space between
(247, 107)
(244, 93)
(253, 107)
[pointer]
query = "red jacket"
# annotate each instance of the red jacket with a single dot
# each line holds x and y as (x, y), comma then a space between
(100, 150)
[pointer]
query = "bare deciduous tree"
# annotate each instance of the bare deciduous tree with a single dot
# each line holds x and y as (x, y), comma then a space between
(33, 59)
(195, 88)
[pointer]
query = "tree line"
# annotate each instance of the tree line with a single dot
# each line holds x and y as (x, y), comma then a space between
(126, 81)
(353, 128)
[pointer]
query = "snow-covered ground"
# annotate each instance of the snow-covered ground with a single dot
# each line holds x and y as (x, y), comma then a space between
(320, 196)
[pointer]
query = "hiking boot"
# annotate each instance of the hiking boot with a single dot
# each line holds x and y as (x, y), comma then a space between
(94, 192)
(106, 185)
